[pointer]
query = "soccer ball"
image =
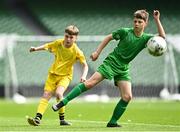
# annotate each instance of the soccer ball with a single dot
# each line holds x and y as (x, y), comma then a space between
(156, 46)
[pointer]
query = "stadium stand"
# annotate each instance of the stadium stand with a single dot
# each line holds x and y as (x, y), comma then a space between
(92, 18)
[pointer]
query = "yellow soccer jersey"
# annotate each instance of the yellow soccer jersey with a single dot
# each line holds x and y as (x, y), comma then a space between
(64, 57)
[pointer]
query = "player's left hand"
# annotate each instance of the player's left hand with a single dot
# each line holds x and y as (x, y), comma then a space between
(156, 14)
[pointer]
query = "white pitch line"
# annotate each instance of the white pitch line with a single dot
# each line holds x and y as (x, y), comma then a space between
(140, 124)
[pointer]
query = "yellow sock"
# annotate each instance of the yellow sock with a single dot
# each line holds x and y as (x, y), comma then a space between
(42, 106)
(61, 112)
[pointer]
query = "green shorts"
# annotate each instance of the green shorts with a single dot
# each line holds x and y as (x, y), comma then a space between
(111, 70)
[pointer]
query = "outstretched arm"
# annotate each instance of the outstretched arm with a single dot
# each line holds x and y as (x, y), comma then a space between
(32, 49)
(156, 15)
(85, 72)
(101, 46)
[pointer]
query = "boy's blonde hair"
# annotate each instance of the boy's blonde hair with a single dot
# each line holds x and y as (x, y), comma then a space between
(72, 30)
(142, 14)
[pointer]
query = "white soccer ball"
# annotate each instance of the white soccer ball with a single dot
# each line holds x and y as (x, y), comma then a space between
(157, 46)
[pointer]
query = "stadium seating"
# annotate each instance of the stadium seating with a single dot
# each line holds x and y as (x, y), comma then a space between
(90, 22)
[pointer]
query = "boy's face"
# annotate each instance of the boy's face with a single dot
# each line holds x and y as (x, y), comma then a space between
(69, 39)
(139, 24)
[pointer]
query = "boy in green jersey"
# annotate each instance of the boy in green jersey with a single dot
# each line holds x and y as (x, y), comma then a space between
(116, 64)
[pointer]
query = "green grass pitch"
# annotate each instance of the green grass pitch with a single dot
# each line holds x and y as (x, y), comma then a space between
(144, 115)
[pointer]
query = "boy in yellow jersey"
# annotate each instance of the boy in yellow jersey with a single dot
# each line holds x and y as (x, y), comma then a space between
(66, 53)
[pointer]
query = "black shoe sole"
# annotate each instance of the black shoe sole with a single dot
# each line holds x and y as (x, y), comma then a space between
(113, 125)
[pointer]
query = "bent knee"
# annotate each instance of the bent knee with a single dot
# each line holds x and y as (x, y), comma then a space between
(89, 84)
(59, 96)
(47, 95)
(127, 97)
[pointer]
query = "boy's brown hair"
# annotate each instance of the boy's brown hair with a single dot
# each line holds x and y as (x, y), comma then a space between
(142, 14)
(72, 30)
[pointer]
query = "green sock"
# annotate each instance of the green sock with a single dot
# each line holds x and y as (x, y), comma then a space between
(118, 111)
(76, 91)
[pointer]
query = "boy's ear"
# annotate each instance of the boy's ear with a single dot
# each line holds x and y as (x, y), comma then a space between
(146, 23)
(75, 36)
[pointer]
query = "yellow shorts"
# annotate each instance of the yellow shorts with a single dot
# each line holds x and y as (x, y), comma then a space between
(53, 81)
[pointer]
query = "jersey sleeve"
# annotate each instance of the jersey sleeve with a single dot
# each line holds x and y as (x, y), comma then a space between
(119, 34)
(80, 56)
(51, 47)
(147, 37)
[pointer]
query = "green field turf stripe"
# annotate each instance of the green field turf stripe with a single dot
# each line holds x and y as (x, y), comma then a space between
(140, 124)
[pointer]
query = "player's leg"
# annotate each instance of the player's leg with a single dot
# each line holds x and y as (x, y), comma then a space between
(78, 89)
(61, 88)
(126, 95)
(48, 92)
(41, 109)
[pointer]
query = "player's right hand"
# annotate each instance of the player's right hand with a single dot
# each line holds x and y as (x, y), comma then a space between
(94, 56)
(32, 49)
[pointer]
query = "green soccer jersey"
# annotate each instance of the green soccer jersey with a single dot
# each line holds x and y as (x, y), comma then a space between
(116, 64)
(129, 45)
